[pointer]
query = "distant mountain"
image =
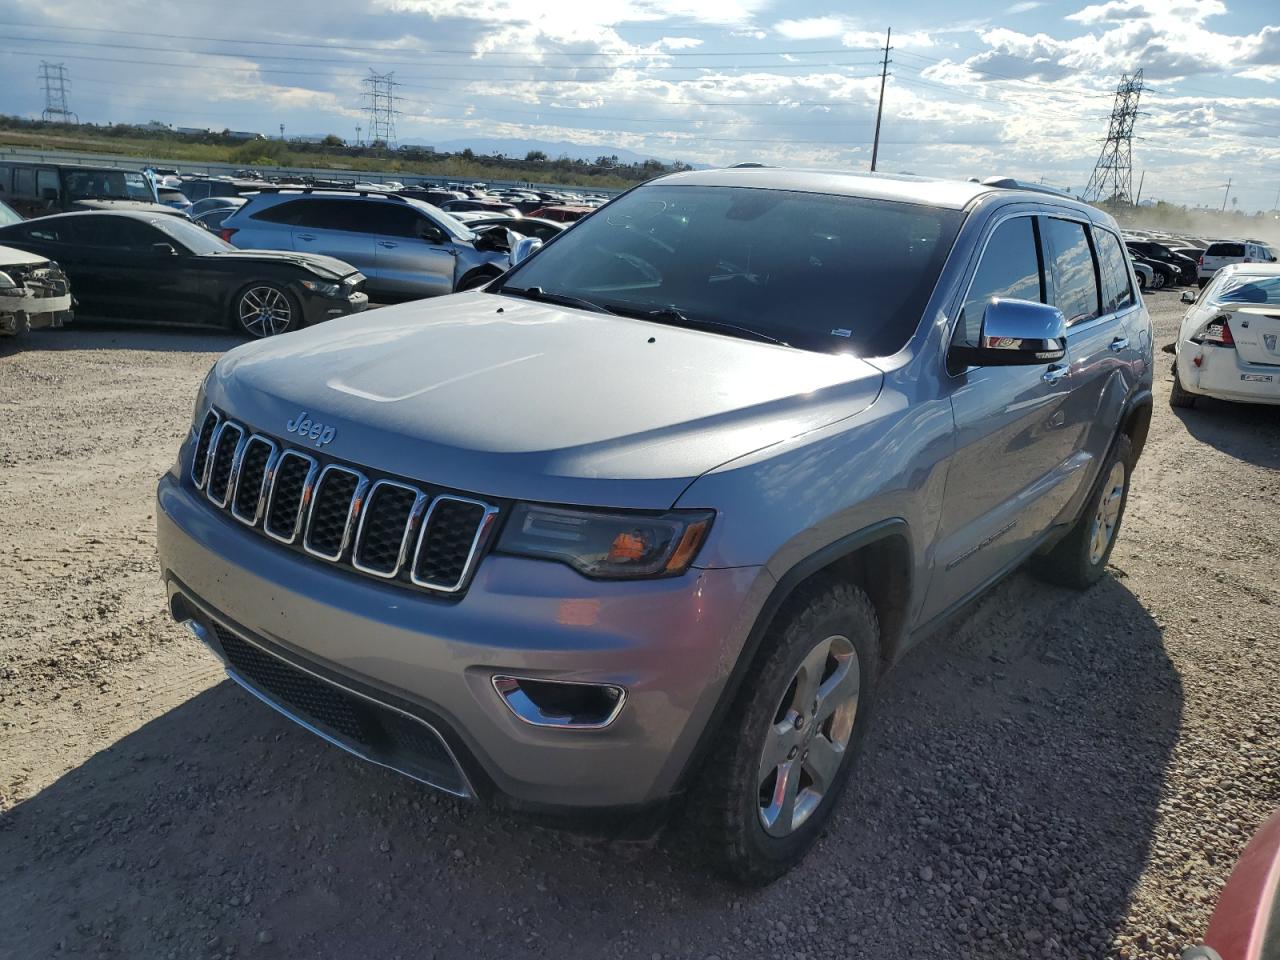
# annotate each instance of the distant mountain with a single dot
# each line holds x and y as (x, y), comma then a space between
(517, 149)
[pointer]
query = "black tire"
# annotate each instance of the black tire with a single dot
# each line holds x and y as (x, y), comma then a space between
(726, 801)
(1157, 281)
(1179, 396)
(269, 295)
(1075, 561)
(477, 279)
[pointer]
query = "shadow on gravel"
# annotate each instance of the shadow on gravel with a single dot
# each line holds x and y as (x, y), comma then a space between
(104, 335)
(1249, 432)
(1004, 808)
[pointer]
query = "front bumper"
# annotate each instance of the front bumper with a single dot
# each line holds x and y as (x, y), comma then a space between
(671, 644)
(317, 309)
(43, 303)
(1221, 373)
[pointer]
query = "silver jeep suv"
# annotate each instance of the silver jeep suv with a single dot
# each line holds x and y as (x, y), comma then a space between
(404, 247)
(653, 514)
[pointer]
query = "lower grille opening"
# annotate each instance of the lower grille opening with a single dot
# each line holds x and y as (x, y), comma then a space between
(559, 703)
(369, 729)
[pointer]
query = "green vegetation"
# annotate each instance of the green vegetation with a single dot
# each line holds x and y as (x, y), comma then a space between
(155, 143)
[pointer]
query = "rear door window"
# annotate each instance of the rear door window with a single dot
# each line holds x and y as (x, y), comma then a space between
(1009, 269)
(388, 219)
(293, 213)
(1117, 291)
(46, 180)
(24, 182)
(1069, 257)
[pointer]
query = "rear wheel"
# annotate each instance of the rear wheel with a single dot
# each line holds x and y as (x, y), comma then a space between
(788, 745)
(265, 309)
(1080, 559)
(1157, 281)
(1179, 396)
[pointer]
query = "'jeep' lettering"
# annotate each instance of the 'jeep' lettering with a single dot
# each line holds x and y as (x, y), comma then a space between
(316, 432)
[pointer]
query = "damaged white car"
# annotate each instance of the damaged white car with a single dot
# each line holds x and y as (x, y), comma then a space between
(33, 291)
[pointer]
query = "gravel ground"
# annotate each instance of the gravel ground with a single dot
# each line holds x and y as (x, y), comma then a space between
(1058, 775)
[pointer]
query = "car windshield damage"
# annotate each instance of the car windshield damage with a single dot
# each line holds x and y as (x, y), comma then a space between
(108, 185)
(1245, 289)
(825, 273)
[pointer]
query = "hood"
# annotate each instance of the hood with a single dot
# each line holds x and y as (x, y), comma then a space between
(510, 398)
(330, 268)
(9, 257)
(139, 206)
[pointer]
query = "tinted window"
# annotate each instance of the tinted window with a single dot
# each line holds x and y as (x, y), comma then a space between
(46, 180)
(195, 189)
(390, 219)
(1075, 283)
(294, 213)
(1225, 250)
(47, 230)
(108, 231)
(1117, 291)
(24, 182)
(828, 273)
(186, 234)
(6, 178)
(1010, 269)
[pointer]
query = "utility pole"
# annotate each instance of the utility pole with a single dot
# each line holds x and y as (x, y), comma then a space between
(282, 131)
(357, 134)
(884, 73)
(1276, 205)
(54, 78)
(1226, 195)
(1141, 179)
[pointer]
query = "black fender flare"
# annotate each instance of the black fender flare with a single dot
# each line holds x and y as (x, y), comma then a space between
(782, 590)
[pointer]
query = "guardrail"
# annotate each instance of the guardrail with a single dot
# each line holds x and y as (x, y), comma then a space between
(214, 169)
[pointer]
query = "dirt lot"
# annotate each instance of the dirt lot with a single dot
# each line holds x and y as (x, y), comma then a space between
(1060, 775)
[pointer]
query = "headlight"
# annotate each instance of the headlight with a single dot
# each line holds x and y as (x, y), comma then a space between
(324, 289)
(608, 545)
(202, 403)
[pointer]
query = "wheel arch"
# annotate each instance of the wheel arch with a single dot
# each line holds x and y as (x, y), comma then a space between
(1136, 420)
(237, 289)
(877, 558)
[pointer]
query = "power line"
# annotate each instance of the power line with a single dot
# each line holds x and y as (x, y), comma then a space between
(444, 52)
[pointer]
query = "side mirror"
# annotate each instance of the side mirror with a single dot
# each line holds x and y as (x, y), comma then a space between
(523, 249)
(1188, 296)
(430, 233)
(1017, 333)
(163, 250)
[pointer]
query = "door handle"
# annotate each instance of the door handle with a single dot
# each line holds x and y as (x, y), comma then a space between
(1055, 373)
(387, 243)
(1118, 344)
(306, 236)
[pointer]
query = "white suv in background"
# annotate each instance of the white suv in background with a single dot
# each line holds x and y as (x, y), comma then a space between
(1223, 252)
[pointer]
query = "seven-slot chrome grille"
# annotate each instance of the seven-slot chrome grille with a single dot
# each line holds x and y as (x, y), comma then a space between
(381, 527)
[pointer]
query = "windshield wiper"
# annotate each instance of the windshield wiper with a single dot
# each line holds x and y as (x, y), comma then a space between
(673, 315)
(564, 300)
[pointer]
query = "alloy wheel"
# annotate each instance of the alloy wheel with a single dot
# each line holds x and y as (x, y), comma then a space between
(1108, 514)
(265, 311)
(807, 739)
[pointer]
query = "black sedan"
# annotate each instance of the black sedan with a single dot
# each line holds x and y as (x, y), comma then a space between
(148, 267)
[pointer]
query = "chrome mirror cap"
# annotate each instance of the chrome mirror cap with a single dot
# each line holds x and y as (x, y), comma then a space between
(1016, 333)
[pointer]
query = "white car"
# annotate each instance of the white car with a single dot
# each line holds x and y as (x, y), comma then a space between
(1229, 342)
(1220, 253)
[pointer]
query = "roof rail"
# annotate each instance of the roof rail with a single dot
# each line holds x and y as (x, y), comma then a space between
(349, 191)
(1009, 183)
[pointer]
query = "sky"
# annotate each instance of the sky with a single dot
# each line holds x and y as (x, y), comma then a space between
(1018, 88)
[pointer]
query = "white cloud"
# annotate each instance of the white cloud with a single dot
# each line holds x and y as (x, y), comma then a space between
(810, 28)
(1025, 7)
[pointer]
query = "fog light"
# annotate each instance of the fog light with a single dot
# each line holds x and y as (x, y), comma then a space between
(561, 703)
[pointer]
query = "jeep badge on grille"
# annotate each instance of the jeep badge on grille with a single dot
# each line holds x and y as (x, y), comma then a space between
(304, 426)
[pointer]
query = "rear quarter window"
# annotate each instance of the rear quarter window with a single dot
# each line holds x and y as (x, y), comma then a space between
(1117, 291)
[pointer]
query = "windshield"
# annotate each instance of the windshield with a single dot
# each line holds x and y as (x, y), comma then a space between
(196, 239)
(8, 215)
(1238, 289)
(826, 273)
(107, 185)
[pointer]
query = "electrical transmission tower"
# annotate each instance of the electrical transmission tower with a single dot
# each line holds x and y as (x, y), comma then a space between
(54, 78)
(380, 99)
(1113, 174)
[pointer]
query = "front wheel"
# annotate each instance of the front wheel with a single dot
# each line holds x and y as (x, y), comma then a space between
(1080, 559)
(265, 310)
(788, 745)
